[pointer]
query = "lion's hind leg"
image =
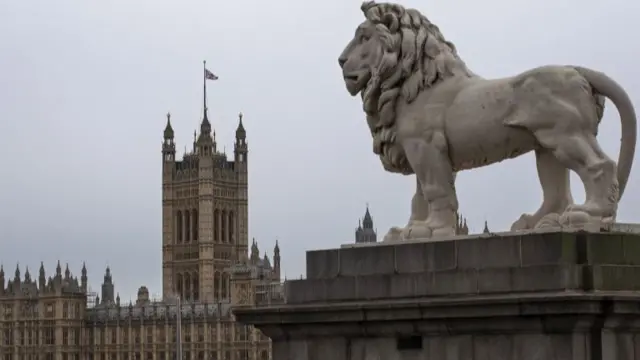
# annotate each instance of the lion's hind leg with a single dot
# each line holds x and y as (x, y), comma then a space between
(579, 151)
(556, 191)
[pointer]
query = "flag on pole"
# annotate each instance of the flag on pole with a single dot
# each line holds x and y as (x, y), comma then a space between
(209, 75)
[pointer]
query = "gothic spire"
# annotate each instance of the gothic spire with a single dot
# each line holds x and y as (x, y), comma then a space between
(241, 133)
(367, 221)
(168, 130)
(67, 273)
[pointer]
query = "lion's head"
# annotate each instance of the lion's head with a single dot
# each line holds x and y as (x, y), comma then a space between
(396, 52)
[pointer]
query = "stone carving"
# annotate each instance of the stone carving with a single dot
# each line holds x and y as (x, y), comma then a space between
(431, 116)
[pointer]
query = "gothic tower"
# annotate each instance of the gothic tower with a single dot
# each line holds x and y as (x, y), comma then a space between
(205, 213)
(365, 232)
(276, 262)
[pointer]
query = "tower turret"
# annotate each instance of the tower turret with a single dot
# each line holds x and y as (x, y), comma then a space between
(2, 280)
(255, 252)
(42, 278)
(241, 169)
(276, 261)
(16, 276)
(107, 287)
(83, 278)
(67, 273)
(240, 148)
(168, 145)
(205, 143)
(365, 232)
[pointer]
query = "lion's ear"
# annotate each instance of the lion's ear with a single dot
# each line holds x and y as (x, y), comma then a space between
(391, 22)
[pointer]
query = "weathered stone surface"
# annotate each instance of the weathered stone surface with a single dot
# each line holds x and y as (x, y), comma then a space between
(486, 264)
(565, 326)
(522, 296)
(476, 252)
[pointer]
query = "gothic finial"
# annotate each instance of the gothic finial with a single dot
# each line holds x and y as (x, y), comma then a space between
(486, 227)
(241, 133)
(84, 269)
(168, 130)
(367, 221)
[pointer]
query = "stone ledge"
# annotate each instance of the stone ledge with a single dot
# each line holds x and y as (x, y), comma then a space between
(546, 312)
(476, 252)
(445, 283)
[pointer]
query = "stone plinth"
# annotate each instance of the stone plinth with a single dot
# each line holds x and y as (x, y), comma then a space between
(545, 296)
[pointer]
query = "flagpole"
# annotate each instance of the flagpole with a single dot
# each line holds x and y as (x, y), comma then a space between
(204, 85)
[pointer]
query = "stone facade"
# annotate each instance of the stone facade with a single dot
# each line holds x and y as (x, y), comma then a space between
(543, 295)
(204, 214)
(58, 318)
(206, 263)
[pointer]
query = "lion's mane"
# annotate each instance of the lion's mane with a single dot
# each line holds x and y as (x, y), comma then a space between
(415, 57)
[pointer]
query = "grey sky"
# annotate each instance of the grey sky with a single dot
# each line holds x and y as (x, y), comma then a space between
(85, 85)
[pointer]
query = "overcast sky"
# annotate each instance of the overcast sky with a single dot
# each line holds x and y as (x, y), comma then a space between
(85, 86)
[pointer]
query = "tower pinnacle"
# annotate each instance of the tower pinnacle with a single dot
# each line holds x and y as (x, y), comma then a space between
(365, 232)
(168, 130)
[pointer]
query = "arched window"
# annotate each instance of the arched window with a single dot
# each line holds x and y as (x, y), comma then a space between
(225, 286)
(179, 226)
(231, 226)
(216, 286)
(194, 222)
(187, 226)
(216, 225)
(195, 286)
(187, 287)
(223, 228)
(179, 289)
(264, 355)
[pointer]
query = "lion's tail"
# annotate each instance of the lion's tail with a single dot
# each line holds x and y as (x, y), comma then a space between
(604, 85)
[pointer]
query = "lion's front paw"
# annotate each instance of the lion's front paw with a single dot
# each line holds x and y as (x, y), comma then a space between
(525, 222)
(549, 221)
(417, 230)
(394, 234)
(575, 219)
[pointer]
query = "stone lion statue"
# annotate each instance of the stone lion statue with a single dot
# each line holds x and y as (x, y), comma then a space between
(431, 116)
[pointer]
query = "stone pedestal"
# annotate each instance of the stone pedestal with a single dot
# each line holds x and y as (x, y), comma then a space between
(547, 296)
